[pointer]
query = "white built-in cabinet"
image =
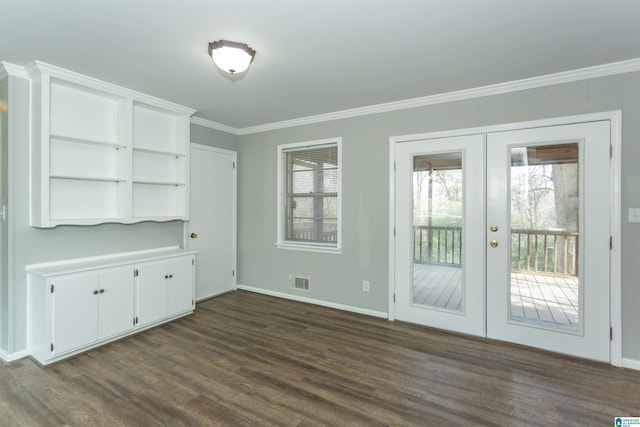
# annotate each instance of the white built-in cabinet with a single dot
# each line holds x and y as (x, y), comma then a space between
(102, 153)
(78, 305)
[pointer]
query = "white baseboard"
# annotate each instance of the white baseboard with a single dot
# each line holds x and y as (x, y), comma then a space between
(314, 301)
(12, 357)
(630, 363)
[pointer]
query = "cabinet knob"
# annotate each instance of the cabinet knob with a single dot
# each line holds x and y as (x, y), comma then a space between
(166, 276)
(95, 292)
(194, 235)
(102, 291)
(170, 276)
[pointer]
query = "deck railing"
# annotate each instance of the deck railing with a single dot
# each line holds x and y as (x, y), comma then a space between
(540, 251)
(545, 251)
(437, 245)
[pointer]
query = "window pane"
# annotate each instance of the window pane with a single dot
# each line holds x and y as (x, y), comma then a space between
(545, 208)
(438, 231)
(312, 183)
(302, 181)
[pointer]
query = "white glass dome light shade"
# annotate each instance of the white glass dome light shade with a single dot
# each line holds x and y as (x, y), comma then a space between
(231, 57)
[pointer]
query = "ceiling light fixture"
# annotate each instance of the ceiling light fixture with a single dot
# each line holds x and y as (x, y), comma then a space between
(231, 57)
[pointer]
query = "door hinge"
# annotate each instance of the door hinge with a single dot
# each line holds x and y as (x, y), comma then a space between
(234, 165)
(610, 242)
(193, 262)
(135, 320)
(394, 232)
(611, 334)
(394, 297)
(51, 346)
(233, 273)
(52, 288)
(135, 272)
(611, 151)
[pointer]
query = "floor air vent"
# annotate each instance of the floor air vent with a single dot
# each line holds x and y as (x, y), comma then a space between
(298, 282)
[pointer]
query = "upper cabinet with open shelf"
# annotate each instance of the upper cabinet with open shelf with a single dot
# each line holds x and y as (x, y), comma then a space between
(103, 153)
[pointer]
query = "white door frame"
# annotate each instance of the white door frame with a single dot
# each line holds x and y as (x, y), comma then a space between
(186, 224)
(614, 209)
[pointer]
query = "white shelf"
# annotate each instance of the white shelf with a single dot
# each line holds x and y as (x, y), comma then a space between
(71, 140)
(100, 151)
(159, 152)
(84, 113)
(87, 178)
(175, 184)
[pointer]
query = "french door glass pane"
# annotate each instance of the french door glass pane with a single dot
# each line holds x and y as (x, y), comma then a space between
(545, 208)
(437, 231)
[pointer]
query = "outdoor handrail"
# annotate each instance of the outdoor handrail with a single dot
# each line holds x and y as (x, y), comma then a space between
(545, 251)
(540, 251)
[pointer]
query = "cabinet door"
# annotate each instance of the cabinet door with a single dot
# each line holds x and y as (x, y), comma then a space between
(75, 311)
(180, 290)
(116, 297)
(152, 292)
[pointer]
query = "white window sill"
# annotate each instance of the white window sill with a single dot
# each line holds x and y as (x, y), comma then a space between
(306, 247)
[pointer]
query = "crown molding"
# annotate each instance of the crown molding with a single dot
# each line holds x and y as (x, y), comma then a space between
(495, 89)
(8, 69)
(214, 125)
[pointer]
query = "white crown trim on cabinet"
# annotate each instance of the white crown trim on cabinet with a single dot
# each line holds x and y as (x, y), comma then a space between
(107, 87)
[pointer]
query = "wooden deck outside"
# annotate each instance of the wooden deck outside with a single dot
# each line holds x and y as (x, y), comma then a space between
(543, 298)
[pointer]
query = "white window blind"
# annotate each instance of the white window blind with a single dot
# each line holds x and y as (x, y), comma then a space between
(311, 194)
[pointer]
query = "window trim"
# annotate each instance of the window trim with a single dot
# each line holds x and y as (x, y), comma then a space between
(281, 242)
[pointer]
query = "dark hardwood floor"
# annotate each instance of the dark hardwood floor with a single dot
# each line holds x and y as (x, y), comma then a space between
(247, 359)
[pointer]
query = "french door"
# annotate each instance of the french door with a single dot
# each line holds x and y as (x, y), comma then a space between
(506, 235)
(440, 233)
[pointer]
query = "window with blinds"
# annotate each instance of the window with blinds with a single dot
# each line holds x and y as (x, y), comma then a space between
(310, 194)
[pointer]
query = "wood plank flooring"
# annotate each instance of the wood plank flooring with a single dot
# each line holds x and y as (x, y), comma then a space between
(245, 359)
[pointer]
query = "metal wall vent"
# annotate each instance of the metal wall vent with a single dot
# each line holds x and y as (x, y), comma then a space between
(298, 282)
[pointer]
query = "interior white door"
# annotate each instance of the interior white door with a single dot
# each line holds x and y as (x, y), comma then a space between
(212, 227)
(548, 238)
(440, 233)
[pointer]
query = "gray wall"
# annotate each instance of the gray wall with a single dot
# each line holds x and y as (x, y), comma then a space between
(213, 138)
(337, 278)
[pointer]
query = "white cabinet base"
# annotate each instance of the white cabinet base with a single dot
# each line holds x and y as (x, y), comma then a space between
(77, 305)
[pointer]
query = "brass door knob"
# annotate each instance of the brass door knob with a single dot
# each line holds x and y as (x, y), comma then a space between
(493, 228)
(494, 243)
(194, 235)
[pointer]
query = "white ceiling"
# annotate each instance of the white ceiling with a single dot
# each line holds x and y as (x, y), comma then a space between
(316, 56)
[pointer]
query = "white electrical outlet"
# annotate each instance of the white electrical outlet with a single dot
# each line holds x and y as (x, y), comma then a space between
(634, 214)
(365, 286)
